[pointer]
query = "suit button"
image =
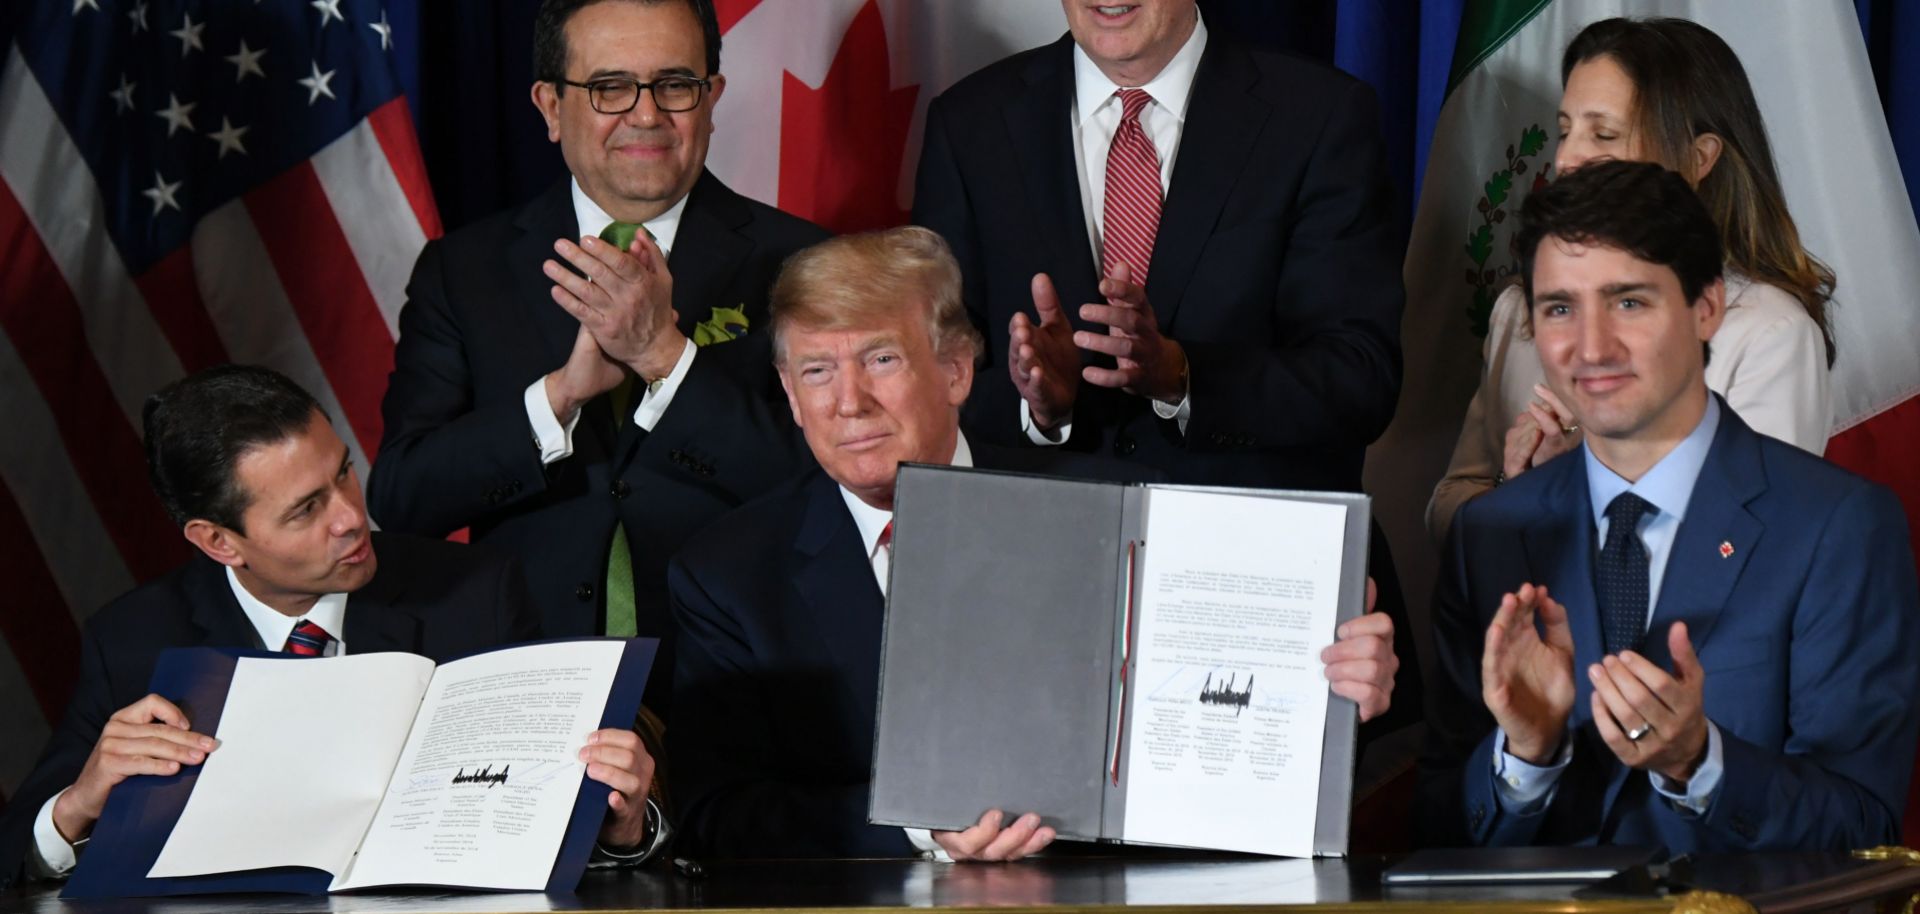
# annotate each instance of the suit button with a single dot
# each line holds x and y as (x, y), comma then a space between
(1123, 445)
(584, 592)
(514, 487)
(621, 489)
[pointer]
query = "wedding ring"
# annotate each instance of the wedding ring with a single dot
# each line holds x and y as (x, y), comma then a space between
(1569, 429)
(1636, 733)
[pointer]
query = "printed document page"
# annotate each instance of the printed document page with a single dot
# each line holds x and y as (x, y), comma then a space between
(306, 747)
(1228, 702)
(487, 783)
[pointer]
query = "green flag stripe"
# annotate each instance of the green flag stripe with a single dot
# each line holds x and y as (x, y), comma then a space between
(1485, 25)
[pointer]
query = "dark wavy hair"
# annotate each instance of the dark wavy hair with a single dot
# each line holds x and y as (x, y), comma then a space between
(1688, 82)
(198, 428)
(1637, 207)
(550, 35)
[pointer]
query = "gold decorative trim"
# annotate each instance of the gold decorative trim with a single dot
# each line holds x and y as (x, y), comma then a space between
(1906, 855)
(1711, 903)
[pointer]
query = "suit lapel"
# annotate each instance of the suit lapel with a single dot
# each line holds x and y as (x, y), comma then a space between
(1040, 120)
(1560, 554)
(218, 615)
(1699, 577)
(708, 251)
(836, 583)
(547, 219)
(375, 622)
(1223, 118)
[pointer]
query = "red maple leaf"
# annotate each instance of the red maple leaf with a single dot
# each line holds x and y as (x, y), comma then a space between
(841, 145)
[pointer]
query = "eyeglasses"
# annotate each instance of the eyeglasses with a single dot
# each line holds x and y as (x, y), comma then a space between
(619, 94)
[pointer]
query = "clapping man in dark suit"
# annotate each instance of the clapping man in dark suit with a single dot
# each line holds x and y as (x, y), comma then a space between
(247, 464)
(778, 677)
(1180, 251)
(1682, 634)
(558, 386)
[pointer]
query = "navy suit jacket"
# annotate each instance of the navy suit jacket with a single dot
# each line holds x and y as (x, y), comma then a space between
(1806, 628)
(1276, 267)
(779, 668)
(437, 599)
(479, 326)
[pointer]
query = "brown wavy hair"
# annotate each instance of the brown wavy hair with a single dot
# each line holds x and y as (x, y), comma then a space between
(1688, 82)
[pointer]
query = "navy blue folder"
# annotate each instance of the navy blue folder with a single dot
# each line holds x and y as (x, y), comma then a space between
(141, 811)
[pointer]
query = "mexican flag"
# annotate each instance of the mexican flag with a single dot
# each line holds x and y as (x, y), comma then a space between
(1493, 143)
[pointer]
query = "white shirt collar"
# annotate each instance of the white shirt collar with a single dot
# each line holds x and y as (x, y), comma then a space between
(593, 220)
(329, 612)
(872, 520)
(1170, 87)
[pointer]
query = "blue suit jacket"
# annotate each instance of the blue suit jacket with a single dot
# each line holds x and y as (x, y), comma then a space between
(1807, 630)
(777, 679)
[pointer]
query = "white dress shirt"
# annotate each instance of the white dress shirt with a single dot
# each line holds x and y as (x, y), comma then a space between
(51, 856)
(556, 437)
(1668, 486)
(871, 522)
(1095, 118)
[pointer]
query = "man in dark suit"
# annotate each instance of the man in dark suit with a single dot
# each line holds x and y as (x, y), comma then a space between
(779, 668)
(553, 387)
(1683, 634)
(246, 463)
(1181, 251)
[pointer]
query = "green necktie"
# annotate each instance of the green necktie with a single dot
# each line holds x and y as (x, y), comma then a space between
(621, 621)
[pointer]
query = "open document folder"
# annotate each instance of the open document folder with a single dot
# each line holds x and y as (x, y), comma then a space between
(372, 770)
(1135, 663)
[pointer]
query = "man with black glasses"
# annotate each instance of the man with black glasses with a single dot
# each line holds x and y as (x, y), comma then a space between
(559, 386)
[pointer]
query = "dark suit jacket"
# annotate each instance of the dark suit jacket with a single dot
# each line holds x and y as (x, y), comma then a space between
(1806, 630)
(440, 600)
(779, 670)
(1276, 267)
(480, 325)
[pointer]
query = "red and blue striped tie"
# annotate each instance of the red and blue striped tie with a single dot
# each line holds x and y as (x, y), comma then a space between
(308, 640)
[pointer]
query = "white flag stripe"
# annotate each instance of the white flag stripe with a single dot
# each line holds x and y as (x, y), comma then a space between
(39, 161)
(1809, 68)
(252, 313)
(82, 557)
(929, 45)
(20, 720)
(375, 215)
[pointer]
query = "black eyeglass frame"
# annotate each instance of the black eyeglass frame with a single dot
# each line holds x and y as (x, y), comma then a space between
(701, 84)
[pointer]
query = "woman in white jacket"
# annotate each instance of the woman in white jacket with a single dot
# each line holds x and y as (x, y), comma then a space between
(1667, 91)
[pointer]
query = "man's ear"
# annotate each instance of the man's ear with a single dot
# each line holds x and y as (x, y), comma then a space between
(786, 384)
(959, 368)
(1711, 309)
(1706, 154)
(546, 97)
(219, 543)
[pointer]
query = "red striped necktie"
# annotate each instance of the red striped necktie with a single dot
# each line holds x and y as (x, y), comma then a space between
(308, 640)
(1131, 217)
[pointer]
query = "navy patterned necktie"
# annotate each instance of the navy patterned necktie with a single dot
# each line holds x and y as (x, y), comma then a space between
(1620, 577)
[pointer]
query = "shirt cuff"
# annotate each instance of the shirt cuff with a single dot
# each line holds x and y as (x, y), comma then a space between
(1697, 794)
(554, 440)
(1035, 435)
(653, 403)
(659, 832)
(1182, 411)
(1522, 787)
(923, 842)
(52, 857)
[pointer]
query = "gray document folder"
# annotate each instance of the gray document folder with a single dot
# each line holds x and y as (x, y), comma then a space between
(1001, 668)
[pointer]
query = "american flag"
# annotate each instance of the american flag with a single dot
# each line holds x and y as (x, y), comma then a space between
(181, 184)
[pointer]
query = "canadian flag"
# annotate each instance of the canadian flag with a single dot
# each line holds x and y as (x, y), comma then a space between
(825, 99)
